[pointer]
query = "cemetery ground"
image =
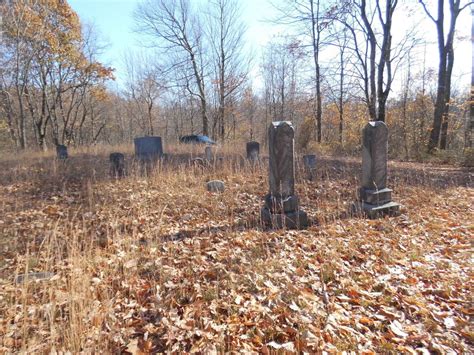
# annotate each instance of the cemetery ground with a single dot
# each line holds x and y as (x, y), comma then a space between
(156, 263)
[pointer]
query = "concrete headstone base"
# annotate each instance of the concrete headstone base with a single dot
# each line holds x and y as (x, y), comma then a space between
(291, 220)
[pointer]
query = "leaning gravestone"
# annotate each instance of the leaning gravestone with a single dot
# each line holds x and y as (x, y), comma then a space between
(61, 152)
(375, 199)
(281, 207)
(253, 151)
(148, 149)
(117, 164)
(309, 163)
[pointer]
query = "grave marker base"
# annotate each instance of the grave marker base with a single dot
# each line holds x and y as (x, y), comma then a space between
(291, 220)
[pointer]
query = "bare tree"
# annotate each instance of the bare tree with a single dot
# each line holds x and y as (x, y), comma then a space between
(439, 130)
(313, 17)
(175, 28)
(143, 88)
(226, 35)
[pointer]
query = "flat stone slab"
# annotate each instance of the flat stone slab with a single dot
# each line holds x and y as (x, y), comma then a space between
(373, 211)
(292, 220)
(215, 186)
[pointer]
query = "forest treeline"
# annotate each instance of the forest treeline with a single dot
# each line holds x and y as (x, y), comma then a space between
(339, 64)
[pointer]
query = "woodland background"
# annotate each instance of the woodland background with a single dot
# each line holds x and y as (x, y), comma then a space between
(54, 90)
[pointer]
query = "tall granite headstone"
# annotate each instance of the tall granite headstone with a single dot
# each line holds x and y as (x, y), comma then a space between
(61, 152)
(148, 149)
(117, 164)
(253, 151)
(281, 207)
(375, 198)
(309, 163)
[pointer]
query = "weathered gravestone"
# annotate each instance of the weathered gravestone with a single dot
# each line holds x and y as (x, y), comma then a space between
(253, 151)
(309, 163)
(208, 153)
(281, 207)
(215, 186)
(61, 152)
(148, 149)
(375, 199)
(117, 164)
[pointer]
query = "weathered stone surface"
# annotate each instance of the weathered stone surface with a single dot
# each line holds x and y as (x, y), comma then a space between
(253, 151)
(375, 199)
(281, 207)
(117, 164)
(292, 220)
(61, 152)
(278, 204)
(208, 153)
(374, 155)
(281, 165)
(215, 186)
(148, 148)
(375, 196)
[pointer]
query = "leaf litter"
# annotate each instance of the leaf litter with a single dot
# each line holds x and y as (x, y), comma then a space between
(146, 265)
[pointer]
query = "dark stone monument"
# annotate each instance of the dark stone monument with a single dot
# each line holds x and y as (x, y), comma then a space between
(61, 152)
(253, 151)
(117, 164)
(309, 163)
(375, 199)
(281, 207)
(148, 149)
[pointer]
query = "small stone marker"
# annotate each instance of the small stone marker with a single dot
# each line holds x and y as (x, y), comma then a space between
(61, 152)
(33, 276)
(215, 186)
(117, 164)
(208, 153)
(309, 163)
(253, 151)
(375, 199)
(148, 149)
(281, 207)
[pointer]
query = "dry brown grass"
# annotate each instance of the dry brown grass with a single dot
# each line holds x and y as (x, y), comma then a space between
(156, 263)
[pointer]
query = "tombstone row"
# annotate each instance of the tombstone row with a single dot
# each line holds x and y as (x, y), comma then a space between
(281, 207)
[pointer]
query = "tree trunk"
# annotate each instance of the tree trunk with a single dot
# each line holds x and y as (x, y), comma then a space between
(315, 33)
(470, 126)
(341, 98)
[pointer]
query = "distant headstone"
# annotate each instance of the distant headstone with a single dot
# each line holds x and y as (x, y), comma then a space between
(253, 151)
(61, 152)
(375, 199)
(215, 186)
(148, 148)
(281, 207)
(117, 164)
(309, 163)
(208, 153)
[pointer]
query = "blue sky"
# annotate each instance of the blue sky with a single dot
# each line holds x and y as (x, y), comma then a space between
(113, 19)
(114, 22)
